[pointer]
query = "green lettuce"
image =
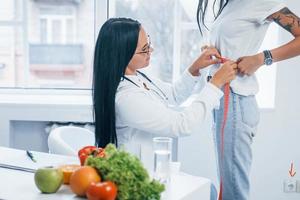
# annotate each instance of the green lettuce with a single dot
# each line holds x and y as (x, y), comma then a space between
(128, 173)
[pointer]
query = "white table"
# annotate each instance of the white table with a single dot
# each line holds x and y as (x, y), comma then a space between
(16, 184)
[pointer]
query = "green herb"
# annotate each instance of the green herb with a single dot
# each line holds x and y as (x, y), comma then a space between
(128, 173)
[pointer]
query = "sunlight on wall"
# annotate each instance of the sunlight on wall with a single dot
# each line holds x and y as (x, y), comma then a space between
(266, 75)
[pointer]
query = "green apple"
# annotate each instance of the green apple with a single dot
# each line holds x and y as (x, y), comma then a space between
(48, 179)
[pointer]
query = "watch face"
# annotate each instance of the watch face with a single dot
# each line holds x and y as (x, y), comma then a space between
(269, 61)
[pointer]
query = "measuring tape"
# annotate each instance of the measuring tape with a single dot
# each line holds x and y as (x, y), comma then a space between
(226, 106)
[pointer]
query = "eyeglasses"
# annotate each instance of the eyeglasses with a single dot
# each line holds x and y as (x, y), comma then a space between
(147, 48)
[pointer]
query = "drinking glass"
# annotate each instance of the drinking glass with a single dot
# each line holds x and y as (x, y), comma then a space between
(162, 147)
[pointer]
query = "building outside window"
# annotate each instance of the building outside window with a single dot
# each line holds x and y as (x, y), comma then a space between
(57, 24)
(47, 43)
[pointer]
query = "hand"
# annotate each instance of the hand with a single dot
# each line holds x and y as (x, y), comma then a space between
(205, 59)
(226, 73)
(249, 64)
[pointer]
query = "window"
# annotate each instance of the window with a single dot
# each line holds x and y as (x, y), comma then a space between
(47, 44)
(57, 24)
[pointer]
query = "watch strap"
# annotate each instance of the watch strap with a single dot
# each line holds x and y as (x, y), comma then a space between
(268, 56)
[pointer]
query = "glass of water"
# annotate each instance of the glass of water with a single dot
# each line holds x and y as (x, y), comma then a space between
(162, 147)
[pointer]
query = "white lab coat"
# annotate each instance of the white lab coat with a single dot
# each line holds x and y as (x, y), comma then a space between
(142, 114)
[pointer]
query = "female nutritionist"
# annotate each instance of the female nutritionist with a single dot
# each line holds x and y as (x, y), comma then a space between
(130, 108)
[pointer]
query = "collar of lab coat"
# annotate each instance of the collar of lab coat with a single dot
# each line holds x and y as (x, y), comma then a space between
(137, 79)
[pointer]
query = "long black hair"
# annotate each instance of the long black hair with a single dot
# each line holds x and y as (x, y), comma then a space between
(202, 8)
(115, 46)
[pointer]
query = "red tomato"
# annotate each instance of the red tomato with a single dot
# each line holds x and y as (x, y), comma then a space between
(102, 191)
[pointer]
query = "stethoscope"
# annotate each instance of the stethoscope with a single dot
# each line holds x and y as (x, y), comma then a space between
(165, 97)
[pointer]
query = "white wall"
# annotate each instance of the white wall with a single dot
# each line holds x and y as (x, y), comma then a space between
(276, 144)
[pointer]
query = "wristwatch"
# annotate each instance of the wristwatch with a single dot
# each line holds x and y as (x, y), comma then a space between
(268, 57)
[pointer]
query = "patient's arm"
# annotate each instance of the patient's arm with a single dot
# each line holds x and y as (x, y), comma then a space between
(290, 22)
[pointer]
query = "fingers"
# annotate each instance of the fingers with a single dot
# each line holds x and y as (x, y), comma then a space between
(242, 68)
(226, 73)
(214, 61)
(211, 51)
(213, 56)
(239, 60)
(210, 56)
(231, 70)
(230, 64)
(244, 71)
(234, 66)
(235, 71)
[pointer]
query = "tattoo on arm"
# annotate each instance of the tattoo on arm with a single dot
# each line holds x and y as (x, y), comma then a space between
(286, 19)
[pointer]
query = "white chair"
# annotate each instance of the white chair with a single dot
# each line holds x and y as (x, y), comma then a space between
(67, 140)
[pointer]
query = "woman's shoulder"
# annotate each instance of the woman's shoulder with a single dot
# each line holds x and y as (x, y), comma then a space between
(153, 78)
